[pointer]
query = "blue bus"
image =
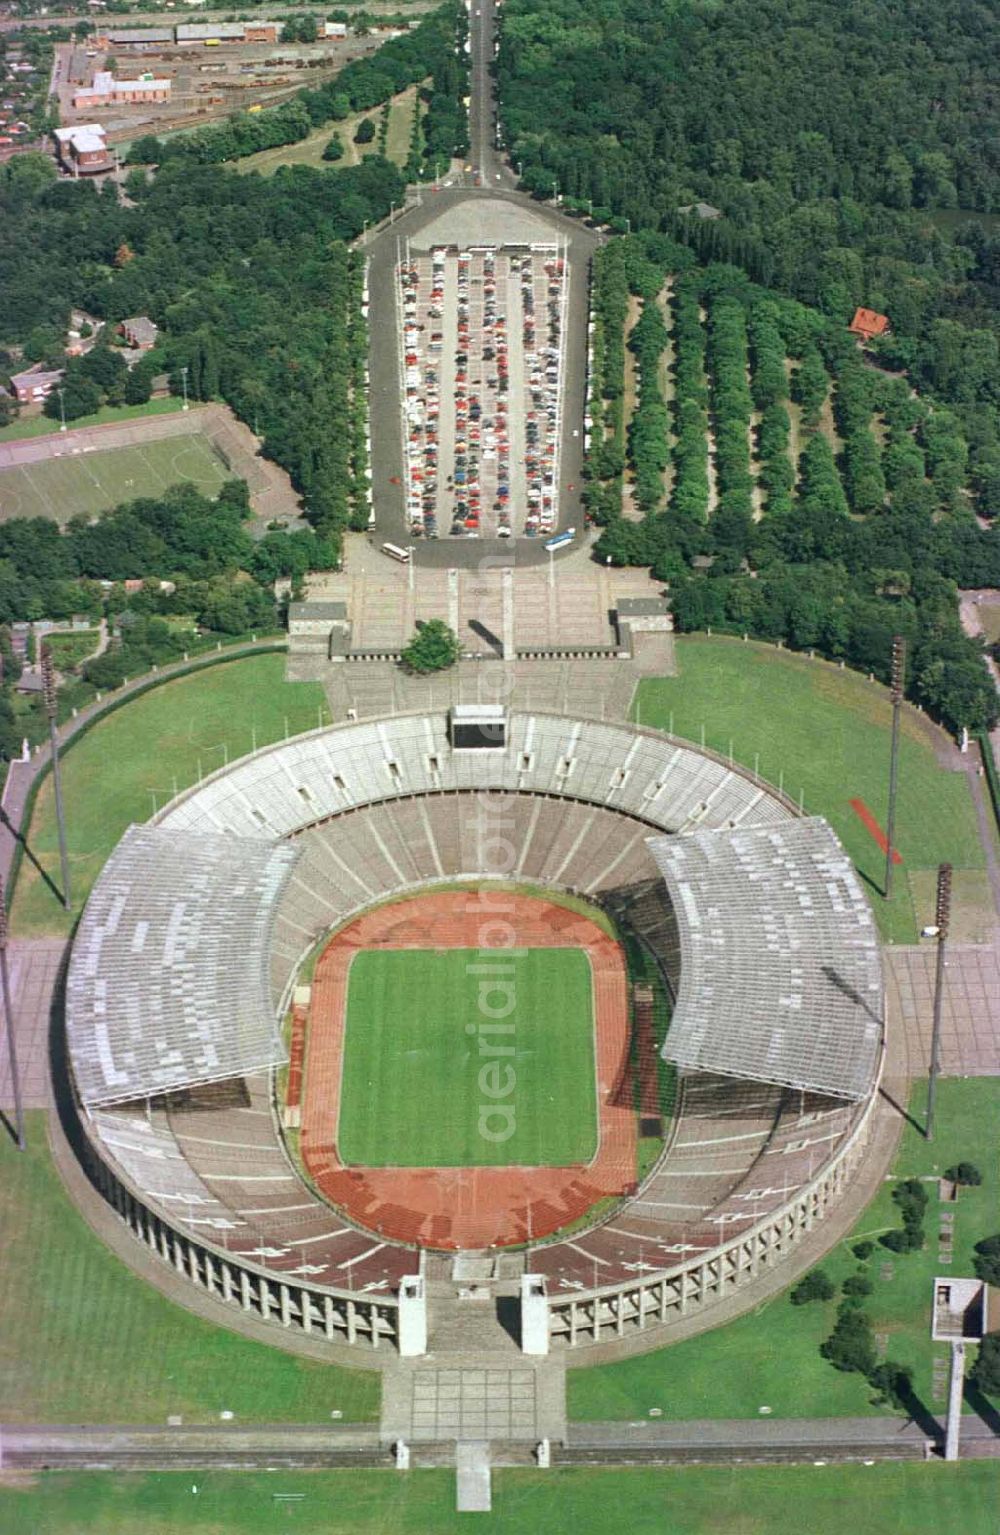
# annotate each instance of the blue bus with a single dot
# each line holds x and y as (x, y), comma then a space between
(561, 540)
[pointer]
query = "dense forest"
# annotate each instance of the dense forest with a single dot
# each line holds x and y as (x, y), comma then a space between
(781, 162)
(837, 141)
(829, 548)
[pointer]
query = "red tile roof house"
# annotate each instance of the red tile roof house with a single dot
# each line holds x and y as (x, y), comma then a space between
(867, 325)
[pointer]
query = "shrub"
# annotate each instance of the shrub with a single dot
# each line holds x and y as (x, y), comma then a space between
(857, 1285)
(893, 1384)
(815, 1286)
(851, 1345)
(985, 1373)
(987, 1260)
(965, 1172)
(863, 1250)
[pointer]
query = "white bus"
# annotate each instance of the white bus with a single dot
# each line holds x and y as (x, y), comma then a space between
(396, 553)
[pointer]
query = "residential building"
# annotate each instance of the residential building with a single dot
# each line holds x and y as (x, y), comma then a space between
(867, 325)
(139, 331)
(83, 150)
(35, 384)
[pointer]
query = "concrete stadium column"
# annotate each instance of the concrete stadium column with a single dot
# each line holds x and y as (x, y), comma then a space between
(453, 600)
(534, 1315)
(412, 1316)
(507, 579)
(955, 1401)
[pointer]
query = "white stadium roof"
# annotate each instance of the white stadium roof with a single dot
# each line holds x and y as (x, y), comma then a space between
(781, 979)
(168, 983)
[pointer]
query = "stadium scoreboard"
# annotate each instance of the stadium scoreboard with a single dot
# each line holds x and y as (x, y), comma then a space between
(478, 727)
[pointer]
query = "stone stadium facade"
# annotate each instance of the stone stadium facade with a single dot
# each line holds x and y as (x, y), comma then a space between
(185, 962)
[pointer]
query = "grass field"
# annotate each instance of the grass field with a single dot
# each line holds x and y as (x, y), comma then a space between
(421, 1046)
(83, 1340)
(309, 151)
(735, 1370)
(934, 1499)
(159, 743)
(92, 481)
(43, 426)
(826, 732)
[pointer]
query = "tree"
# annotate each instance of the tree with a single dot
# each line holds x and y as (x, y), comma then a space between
(987, 1260)
(80, 397)
(365, 131)
(433, 648)
(334, 148)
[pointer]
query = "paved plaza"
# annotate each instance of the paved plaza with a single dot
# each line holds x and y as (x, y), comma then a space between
(970, 1006)
(35, 966)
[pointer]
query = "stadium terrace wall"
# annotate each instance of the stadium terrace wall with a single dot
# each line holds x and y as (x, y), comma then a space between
(319, 1311)
(369, 1321)
(603, 1314)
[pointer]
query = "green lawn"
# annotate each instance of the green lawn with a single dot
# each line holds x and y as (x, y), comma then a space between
(934, 1499)
(129, 764)
(83, 1340)
(825, 732)
(433, 1078)
(41, 426)
(735, 1370)
(67, 484)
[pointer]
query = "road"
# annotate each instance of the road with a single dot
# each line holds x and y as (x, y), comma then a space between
(496, 190)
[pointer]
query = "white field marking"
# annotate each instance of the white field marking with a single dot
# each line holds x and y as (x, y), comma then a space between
(278, 1209)
(370, 1252)
(721, 1140)
(590, 1257)
(324, 1236)
(203, 1140)
(252, 1178)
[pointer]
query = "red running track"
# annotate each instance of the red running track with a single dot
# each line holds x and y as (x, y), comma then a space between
(468, 1207)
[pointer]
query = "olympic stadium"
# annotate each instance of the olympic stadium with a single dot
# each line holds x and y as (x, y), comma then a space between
(208, 998)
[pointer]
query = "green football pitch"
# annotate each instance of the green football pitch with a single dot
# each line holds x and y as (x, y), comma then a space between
(431, 1080)
(66, 484)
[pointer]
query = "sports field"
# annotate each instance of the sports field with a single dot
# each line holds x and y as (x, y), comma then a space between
(91, 481)
(445, 1066)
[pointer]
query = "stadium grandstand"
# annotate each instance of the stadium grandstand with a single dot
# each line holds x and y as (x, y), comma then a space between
(186, 963)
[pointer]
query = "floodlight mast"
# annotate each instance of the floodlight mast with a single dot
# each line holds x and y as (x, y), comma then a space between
(898, 676)
(942, 917)
(8, 1019)
(49, 695)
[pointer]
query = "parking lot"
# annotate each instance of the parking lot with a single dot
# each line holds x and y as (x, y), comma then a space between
(482, 347)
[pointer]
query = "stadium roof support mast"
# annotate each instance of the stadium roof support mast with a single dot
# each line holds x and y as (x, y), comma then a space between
(49, 694)
(898, 676)
(8, 1019)
(943, 917)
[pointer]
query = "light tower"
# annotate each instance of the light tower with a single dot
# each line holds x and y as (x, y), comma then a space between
(8, 1019)
(898, 675)
(49, 695)
(942, 917)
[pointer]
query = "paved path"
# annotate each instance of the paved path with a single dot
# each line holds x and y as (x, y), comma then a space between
(280, 1444)
(35, 969)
